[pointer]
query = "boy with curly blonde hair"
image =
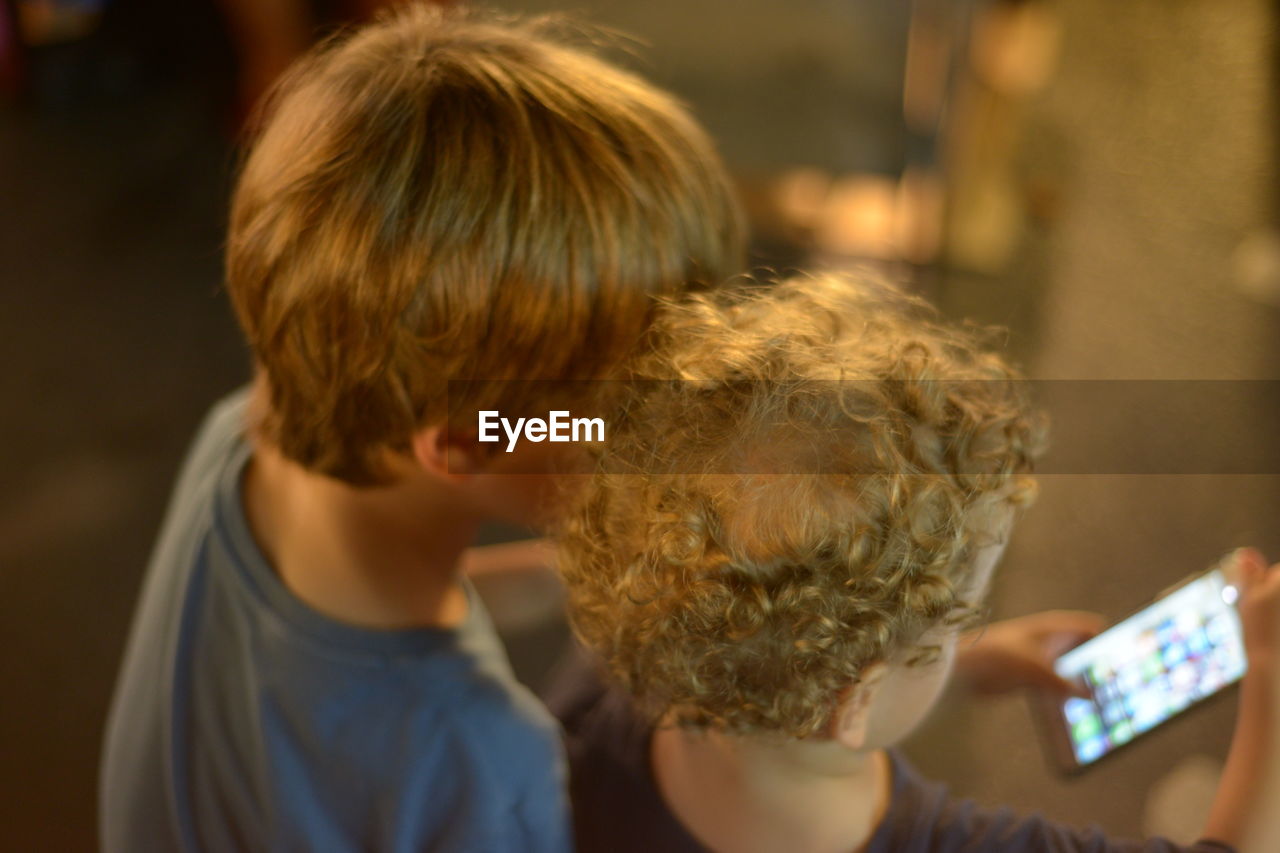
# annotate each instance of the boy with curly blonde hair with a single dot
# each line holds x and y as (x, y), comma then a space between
(435, 202)
(801, 508)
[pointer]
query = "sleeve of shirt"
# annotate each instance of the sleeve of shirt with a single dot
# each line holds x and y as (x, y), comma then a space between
(925, 818)
(963, 826)
(520, 746)
(542, 811)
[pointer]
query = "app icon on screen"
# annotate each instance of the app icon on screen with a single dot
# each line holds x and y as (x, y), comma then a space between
(1120, 732)
(1088, 726)
(1174, 654)
(1091, 750)
(1077, 709)
(1151, 666)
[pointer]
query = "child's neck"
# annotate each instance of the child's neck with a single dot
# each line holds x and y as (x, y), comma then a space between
(383, 558)
(741, 794)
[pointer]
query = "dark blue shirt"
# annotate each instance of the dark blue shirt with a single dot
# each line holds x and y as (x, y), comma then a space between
(618, 808)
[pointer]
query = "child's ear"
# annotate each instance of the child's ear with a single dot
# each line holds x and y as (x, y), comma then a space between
(446, 454)
(849, 722)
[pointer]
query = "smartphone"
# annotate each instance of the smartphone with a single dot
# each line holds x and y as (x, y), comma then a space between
(1181, 649)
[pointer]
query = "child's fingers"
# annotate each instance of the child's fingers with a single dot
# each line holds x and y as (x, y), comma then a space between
(1060, 630)
(1264, 585)
(1048, 679)
(1250, 568)
(1259, 603)
(1081, 623)
(1073, 687)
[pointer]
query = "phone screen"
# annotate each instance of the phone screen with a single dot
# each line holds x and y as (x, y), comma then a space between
(1153, 665)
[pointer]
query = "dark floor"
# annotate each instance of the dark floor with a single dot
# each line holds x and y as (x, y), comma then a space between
(118, 339)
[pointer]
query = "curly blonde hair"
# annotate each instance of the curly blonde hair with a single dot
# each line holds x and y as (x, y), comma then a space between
(795, 489)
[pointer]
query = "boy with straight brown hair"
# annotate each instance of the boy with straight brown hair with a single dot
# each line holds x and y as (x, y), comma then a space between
(433, 200)
(800, 511)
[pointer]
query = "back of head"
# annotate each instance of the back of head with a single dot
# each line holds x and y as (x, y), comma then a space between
(439, 196)
(796, 492)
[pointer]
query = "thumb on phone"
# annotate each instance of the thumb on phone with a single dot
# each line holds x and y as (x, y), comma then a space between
(1246, 567)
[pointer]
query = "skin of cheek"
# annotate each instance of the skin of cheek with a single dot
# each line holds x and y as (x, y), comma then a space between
(527, 485)
(907, 694)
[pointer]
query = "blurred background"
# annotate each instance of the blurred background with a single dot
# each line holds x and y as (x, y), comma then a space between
(1099, 178)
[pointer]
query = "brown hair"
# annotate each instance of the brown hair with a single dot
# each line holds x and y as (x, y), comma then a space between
(797, 492)
(441, 197)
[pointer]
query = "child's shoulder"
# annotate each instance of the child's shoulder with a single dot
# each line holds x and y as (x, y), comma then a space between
(219, 434)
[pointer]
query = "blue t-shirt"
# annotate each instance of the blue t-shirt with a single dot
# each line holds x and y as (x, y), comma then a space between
(245, 720)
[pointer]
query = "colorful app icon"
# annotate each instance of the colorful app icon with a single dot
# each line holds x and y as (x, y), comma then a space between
(1100, 672)
(1113, 712)
(1088, 726)
(1120, 732)
(1174, 654)
(1075, 709)
(1091, 749)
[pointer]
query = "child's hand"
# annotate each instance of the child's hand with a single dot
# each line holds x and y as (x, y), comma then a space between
(1259, 608)
(1243, 811)
(1018, 653)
